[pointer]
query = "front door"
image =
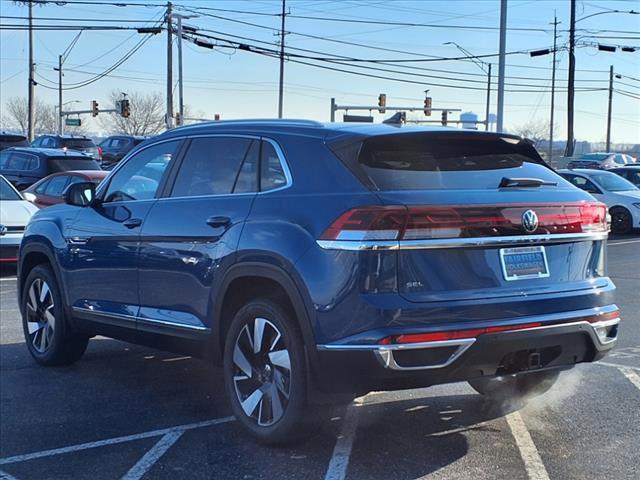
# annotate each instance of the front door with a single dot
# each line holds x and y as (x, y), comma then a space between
(103, 241)
(192, 233)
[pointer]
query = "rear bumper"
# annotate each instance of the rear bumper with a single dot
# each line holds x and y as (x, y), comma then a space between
(561, 342)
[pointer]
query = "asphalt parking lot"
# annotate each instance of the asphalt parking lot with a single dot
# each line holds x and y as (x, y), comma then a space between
(129, 412)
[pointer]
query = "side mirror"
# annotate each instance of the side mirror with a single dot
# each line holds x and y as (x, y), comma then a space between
(80, 194)
(29, 197)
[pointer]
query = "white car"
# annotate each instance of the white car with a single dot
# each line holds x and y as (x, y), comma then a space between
(15, 213)
(621, 196)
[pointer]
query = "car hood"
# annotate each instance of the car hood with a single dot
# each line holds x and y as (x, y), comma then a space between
(16, 212)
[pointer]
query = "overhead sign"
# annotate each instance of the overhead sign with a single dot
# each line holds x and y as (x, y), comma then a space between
(357, 118)
(72, 122)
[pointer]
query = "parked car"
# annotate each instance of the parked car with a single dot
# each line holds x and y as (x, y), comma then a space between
(630, 172)
(25, 166)
(602, 161)
(114, 148)
(621, 196)
(77, 143)
(15, 213)
(49, 191)
(8, 140)
(313, 259)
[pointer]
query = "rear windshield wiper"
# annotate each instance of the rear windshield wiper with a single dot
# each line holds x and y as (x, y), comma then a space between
(524, 182)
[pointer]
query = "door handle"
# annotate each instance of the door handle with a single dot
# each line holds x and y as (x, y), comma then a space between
(219, 221)
(132, 222)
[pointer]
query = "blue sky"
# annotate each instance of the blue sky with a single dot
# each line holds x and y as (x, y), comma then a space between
(236, 83)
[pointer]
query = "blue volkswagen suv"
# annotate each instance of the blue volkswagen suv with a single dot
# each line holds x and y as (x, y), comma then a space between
(320, 261)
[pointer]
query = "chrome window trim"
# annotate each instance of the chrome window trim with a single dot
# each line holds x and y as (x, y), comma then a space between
(276, 147)
(460, 242)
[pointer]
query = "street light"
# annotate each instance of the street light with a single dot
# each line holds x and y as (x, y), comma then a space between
(481, 64)
(179, 18)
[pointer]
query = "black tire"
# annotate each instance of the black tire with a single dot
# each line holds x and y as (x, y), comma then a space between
(50, 340)
(621, 220)
(515, 387)
(280, 413)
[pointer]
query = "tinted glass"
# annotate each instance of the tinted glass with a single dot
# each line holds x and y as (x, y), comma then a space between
(247, 180)
(424, 161)
(18, 161)
(7, 141)
(140, 177)
(613, 182)
(211, 166)
(64, 164)
(271, 173)
(582, 183)
(596, 157)
(42, 187)
(6, 192)
(634, 177)
(56, 186)
(78, 143)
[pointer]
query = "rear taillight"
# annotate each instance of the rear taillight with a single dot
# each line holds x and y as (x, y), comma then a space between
(434, 222)
(100, 152)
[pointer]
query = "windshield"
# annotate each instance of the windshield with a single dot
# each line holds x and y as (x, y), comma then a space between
(78, 143)
(613, 182)
(7, 192)
(64, 164)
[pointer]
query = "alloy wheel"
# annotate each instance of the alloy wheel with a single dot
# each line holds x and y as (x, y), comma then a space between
(262, 372)
(41, 321)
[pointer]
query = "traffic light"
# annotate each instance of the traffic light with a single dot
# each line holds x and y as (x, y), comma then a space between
(216, 116)
(427, 106)
(178, 119)
(445, 117)
(382, 102)
(125, 110)
(94, 108)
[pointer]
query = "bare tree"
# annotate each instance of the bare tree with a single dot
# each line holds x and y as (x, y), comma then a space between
(535, 130)
(146, 117)
(15, 116)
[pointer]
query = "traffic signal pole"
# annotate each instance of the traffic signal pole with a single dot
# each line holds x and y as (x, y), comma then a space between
(60, 121)
(169, 114)
(609, 110)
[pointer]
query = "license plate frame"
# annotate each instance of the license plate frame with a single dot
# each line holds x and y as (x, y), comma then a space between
(533, 266)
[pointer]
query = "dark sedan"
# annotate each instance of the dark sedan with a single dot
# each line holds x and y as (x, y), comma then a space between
(49, 191)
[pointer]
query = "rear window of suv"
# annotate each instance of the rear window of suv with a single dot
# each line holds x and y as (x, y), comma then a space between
(78, 143)
(429, 161)
(64, 164)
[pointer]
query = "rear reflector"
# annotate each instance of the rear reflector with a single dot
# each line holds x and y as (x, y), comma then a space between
(476, 332)
(432, 222)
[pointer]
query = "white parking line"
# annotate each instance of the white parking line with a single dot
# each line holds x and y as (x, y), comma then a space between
(152, 456)
(624, 242)
(632, 376)
(337, 469)
(113, 441)
(528, 451)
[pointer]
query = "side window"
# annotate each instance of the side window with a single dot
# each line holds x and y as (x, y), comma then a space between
(247, 180)
(211, 166)
(20, 161)
(37, 142)
(140, 177)
(31, 162)
(45, 142)
(42, 187)
(584, 184)
(4, 160)
(56, 186)
(619, 159)
(634, 177)
(271, 173)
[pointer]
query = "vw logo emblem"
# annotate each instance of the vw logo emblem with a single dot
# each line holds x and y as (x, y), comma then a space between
(530, 221)
(3, 230)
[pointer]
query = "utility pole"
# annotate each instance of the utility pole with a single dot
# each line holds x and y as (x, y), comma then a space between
(281, 86)
(568, 152)
(488, 108)
(553, 87)
(609, 112)
(180, 86)
(501, 62)
(60, 95)
(169, 114)
(32, 68)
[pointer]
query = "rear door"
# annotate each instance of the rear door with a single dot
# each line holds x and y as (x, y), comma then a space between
(191, 234)
(22, 169)
(485, 217)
